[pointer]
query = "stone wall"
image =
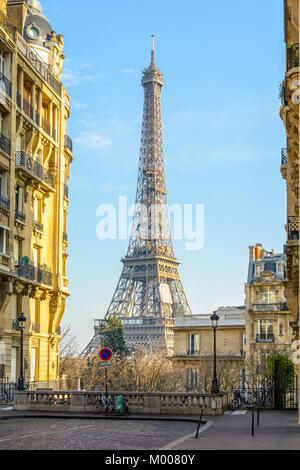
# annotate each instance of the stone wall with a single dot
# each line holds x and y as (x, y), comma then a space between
(139, 402)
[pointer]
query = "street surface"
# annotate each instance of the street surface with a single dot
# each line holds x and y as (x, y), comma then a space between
(278, 430)
(81, 434)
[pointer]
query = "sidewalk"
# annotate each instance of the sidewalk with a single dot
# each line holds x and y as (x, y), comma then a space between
(278, 430)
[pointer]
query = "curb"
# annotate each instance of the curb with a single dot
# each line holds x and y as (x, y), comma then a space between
(92, 416)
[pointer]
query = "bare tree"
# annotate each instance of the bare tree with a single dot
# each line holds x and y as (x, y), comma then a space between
(69, 363)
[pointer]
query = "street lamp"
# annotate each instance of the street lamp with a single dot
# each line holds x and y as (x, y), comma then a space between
(214, 386)
(21, 325)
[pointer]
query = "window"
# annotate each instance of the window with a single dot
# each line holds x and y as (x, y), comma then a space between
(2, 61)
(265, 327)
(3, 183)
(3, 240)
(194, 343)
(19, 199)
(193, 378)
(37, 210)
(268, 297)
(36, 256)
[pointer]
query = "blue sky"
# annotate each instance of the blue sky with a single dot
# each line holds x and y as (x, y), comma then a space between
(222, 64)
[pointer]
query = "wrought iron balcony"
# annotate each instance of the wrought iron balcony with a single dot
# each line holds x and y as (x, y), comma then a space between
(5, 203)
(5, 85)
(37, 226)
(40, 274)
(44, 276)
(66, 191)
(293, 228)
(284, 156)
(292, 56)
(20, 216)
(265, 338)
(5, 144)
(68, 143)
(33, 168)
(265, 307)
(27, 108)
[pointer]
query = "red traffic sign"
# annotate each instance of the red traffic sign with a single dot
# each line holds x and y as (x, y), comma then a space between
(105, 354)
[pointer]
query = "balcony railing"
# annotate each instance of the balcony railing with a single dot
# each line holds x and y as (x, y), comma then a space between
(27, 108)
(68, 143)
(20, 216)
(34, 168)
(5, 203)
(40, 66)
(37, 226)
(5, 144)
(266, 307)
(40, 274)
(284, 156)
(46, 126)
(265, 338)
(293, 228)
(292, 56)
(5, 85)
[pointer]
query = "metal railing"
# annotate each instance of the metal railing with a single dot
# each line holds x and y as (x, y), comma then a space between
(38, 64)
(292, 56)
(293, 228)
(265, 338)
(284, 156)
(34, 168)
(266, 307)
(5, 85)
(4, 202)
(27, 108)
(38, 226)
(68, 143)
(37, 274)
(20, 216)
(5, 144)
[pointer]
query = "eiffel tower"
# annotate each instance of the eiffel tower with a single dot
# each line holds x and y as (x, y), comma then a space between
(149, 293)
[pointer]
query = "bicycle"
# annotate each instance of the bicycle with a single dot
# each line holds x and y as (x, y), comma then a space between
(107, 404)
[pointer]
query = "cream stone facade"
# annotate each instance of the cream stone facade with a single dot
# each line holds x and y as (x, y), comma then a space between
(289, 113)
(35, 154)
(268, 327)
(194, 343)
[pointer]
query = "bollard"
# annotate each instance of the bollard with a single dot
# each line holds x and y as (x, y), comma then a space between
(199, 424)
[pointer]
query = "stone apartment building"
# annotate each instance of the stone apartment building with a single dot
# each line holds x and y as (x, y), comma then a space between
(268, 327)
(194, 344)
(289, 113)
(35, 154)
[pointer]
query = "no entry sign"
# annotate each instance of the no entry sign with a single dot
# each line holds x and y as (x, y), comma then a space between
(105, 354)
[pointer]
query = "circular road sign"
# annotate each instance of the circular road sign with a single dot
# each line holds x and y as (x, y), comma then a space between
(105, 354)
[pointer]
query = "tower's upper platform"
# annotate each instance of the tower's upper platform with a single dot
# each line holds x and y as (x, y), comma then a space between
(152, 73)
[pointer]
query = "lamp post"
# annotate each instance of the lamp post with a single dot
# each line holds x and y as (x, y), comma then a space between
(214, 386)
(21, 383)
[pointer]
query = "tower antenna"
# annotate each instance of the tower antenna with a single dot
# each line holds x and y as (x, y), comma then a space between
(152, 52)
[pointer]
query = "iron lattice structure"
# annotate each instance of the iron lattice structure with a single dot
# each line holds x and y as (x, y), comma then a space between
(150, 291)
(150, 285)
